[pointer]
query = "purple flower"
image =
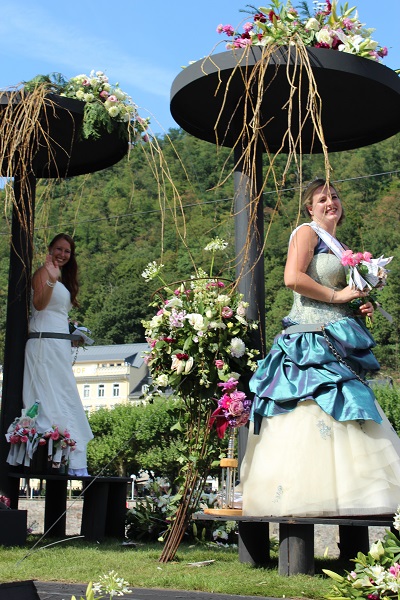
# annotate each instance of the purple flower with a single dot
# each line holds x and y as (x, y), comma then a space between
(177, 317)
(229, 385)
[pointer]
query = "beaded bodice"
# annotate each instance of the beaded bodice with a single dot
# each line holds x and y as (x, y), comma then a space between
(326, 270)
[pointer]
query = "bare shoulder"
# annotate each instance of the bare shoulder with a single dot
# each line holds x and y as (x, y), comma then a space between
(304, 237)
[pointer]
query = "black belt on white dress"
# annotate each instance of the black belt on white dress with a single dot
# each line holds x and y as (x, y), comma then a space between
(50, 334)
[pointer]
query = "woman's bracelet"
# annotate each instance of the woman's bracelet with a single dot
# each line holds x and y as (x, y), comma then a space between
(332, 297)
(51, 284)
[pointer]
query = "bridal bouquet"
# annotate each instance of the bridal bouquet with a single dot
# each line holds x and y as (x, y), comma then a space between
(366, 274)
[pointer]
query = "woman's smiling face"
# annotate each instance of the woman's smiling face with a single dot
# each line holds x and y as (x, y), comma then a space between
(61, 252)
(326, 208)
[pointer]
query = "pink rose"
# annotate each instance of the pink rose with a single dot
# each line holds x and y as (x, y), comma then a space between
(358, 257)
(112, 98)
(55, 435)
(367, 256)
(238, 396)
(42, 442)
(242, 419)
(104, 94)
(347, 259)
(236, 407)
(24, 439)
(226, 312)
(219, 363)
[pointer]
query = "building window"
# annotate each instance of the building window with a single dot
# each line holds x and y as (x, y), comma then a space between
(115, 389)
(86, 391)
(100, 390)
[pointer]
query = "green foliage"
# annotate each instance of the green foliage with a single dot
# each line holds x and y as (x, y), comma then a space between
(388, 398)
(130, 438)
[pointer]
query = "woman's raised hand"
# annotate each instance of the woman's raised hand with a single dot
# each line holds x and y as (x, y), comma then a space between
(52, 268)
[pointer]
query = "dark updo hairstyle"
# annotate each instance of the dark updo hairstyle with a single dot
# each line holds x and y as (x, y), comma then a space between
(69, 272)
(309, 193)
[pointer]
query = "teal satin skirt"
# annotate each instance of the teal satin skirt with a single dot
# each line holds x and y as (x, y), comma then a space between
(302, 366)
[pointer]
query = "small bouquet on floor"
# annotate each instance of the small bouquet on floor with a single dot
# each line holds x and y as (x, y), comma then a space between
(233, 408)
(375, 575)
(367, 274)
(25, 440)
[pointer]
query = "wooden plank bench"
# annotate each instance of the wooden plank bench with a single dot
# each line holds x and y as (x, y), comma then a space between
(104, 504)
(296, 538)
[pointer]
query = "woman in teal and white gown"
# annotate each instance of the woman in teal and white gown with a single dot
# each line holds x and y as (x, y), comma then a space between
(319, 444)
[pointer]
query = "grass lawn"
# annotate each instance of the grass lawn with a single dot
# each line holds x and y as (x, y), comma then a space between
(77, 561)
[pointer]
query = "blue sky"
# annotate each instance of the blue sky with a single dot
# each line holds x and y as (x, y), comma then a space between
(142, 45)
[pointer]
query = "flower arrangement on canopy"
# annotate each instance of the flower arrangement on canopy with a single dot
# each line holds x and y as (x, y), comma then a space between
(105, 104)
(327, 27)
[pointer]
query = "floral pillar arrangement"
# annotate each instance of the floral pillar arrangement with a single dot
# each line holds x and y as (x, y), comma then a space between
(199, 338)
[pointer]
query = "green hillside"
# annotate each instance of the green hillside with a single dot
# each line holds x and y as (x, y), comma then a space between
(127, 215)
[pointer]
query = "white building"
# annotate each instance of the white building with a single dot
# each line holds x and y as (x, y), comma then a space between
(109, 375)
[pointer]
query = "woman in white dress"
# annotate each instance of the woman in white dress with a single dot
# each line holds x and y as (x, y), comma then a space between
(48, 375)
(319, 444)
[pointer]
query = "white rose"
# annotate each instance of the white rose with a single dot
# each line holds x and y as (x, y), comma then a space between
(223, 299)
(196, 321)
(161, 380)
(312, 24)
(324, 37)
(88, 97)
(80, 94)
(113, 111)
(209, 314)
(237, 347)
(156, 321)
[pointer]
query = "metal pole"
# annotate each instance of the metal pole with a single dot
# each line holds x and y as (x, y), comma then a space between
(249, 241)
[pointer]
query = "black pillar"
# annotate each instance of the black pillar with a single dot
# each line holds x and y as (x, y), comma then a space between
(19, 285)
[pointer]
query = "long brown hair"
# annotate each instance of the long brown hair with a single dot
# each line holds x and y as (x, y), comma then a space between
(69, 272)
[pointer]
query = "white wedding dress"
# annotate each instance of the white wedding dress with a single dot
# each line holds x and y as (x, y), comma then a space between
(48, 378)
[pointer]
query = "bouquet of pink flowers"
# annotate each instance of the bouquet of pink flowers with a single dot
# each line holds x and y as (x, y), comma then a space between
(366, 274)
(233, 408)
(24, 441)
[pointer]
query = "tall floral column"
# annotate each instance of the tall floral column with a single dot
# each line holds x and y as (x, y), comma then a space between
(199, 340)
